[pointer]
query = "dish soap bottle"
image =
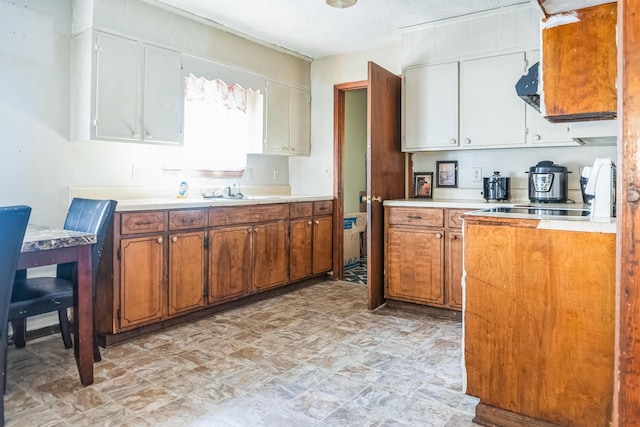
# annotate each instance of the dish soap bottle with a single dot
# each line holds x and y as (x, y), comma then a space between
(183, 191)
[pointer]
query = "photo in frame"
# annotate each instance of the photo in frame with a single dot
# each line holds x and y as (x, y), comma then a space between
(447, 173)
(423, 185)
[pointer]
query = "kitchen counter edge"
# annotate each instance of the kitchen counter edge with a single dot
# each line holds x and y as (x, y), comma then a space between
(128, 205)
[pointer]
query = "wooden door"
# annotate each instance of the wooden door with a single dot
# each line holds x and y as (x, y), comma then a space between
(141, 280)
(385, 169)
(186, 271)
(269, 255)
(322, 244)
(300, 249)
(229, 262)
(454, 269)
(415, 265)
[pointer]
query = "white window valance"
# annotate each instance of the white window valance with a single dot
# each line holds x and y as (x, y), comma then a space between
(231, 96)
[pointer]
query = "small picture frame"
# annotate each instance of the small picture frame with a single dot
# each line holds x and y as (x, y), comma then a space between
(447, 171)
(423, 185)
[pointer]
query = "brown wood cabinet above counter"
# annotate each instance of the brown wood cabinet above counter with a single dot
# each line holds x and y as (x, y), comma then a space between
(163, 264)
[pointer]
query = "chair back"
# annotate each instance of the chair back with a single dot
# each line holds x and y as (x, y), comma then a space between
(90, 216)
(13, 223)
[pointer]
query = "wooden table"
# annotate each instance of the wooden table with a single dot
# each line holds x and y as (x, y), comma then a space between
(49, 246)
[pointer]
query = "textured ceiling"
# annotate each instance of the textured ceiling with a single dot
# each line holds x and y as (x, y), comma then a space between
(313, 29)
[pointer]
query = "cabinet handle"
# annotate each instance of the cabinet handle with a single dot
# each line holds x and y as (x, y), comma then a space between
(439, 235)
(414, 217)
(134, 134)
(292, 149)
(467, 141)
(453, 141)
(309, 223)
(317, 221)
(148, 136)
(255, 230)
(249, 230)
(174, 239)
(159, 240)
(454, 237)
(536, 137)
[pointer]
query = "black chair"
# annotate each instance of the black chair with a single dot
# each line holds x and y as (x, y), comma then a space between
(41, 295)
(13, 223)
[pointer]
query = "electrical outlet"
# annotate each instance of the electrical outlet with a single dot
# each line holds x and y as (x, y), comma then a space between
(476, 174)
(135, 171)
(276, 174)
(326, 172)
(249, 172)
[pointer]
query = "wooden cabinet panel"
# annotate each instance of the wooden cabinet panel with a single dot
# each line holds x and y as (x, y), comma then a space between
(322, 244)
(539, 321)
(141, 272)
(454, 269)
(415, 265)
(185, 219)
(229, 263)
(142, 222)
(247, 214)
(323, 208)
(300, 210)
(186, 272)
(270, 255)
(454, 217)
(300, 248)
(416, 217)
(579, 66)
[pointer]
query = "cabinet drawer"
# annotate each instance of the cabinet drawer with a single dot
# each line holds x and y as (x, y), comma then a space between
(183, 219)
(323, 208)
(454, 219)
(300, 210)
(142, 222)
(426, 217)
(247, 214)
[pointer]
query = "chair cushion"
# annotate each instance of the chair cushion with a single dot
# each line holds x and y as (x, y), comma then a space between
(40, 295)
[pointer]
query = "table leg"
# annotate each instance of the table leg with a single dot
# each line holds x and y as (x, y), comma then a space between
(83, 316)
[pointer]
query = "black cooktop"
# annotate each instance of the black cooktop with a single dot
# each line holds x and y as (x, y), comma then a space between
(542, 211)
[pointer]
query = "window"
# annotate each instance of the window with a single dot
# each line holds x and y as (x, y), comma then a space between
(222, 123)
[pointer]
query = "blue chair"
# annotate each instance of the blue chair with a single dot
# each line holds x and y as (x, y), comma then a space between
(41, 295)
(13, 223)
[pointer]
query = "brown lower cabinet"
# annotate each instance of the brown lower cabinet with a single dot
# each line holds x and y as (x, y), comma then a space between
(163, 264)
(423, 256)
(311, 239)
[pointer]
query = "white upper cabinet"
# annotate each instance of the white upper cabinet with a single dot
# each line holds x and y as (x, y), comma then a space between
(287, 120)
(125, 90)
(163, 95)
(117, 67)
(491, 114)
(300, 137)
(430, 107)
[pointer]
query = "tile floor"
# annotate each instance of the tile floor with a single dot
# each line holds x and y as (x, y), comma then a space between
(357, 273)
(313, 357)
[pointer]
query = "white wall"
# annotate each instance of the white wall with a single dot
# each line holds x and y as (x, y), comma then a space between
(38, 162)
(306, 173)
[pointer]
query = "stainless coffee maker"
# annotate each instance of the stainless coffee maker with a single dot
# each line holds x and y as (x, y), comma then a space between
(496, 187)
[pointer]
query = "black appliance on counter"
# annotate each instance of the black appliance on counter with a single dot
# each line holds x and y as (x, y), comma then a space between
(548, 182)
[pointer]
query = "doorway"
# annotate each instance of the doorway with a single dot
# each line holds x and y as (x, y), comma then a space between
(354, 173)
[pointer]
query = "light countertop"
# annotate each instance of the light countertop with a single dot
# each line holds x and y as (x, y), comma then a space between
(126, 205)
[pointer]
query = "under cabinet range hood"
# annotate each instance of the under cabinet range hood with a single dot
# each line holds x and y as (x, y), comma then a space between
(527, 87)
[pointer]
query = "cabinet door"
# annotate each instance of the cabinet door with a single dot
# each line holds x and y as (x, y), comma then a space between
(454, 270)
(141, 269)
(278, 118)
(491, 112)
(118, 88)
(270, 256)
(322, 244)
(163, 95)
(229, 262)
(300, 248)
(415, 266)
(186, 272)
(300, 135)
(430, 107)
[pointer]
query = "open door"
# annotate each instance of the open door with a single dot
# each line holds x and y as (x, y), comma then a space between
(385, 169)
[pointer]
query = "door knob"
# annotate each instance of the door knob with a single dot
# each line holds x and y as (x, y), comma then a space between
(376, 199)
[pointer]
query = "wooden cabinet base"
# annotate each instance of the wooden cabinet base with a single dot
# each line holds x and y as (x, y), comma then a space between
(425, 309)
(494, 417)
